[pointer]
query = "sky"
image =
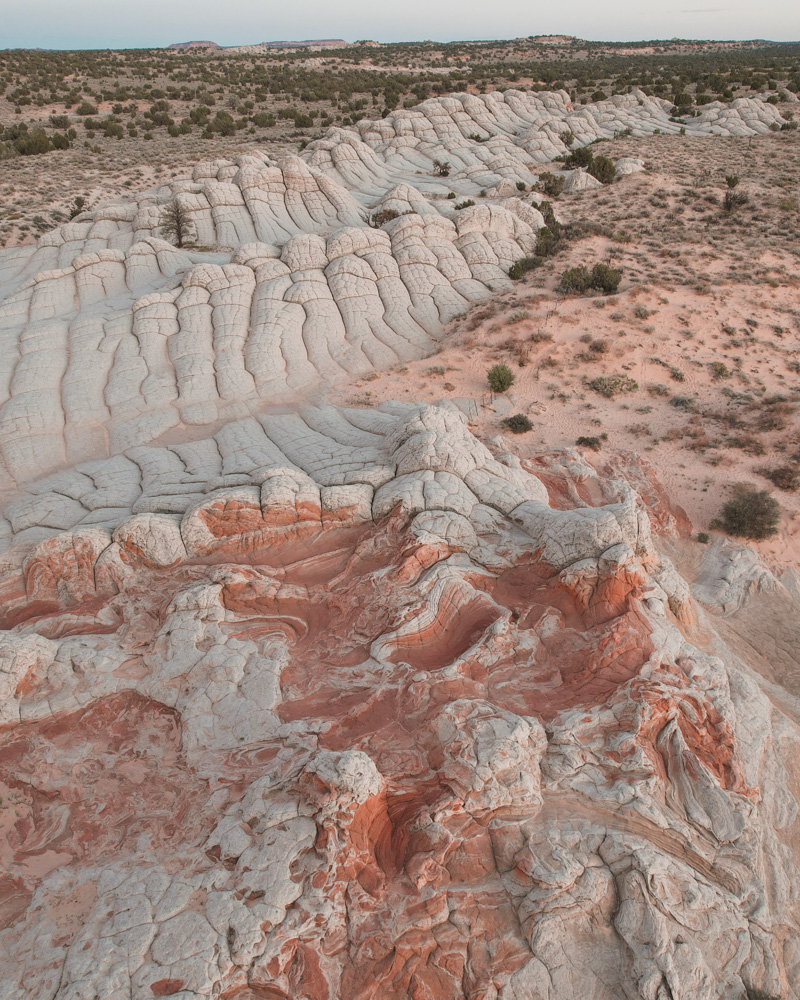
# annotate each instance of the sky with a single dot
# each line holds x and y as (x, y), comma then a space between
(87, 24)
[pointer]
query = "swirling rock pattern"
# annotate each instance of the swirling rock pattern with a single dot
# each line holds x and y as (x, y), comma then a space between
(316, 703)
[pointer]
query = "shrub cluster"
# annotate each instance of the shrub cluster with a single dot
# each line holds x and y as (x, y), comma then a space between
(601, 278)
(600, 167)
(613, 385)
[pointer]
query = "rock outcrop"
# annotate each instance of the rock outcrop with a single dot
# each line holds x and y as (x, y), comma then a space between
(338, 704)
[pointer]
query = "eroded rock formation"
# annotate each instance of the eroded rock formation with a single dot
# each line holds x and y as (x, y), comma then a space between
(321, 703)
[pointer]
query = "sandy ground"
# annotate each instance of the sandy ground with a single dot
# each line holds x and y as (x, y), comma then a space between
(709, 330)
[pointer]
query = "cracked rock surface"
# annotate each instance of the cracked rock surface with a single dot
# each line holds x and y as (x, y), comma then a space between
(322, 703)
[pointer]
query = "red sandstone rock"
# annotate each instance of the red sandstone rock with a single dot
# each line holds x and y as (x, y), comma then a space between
(275, 752)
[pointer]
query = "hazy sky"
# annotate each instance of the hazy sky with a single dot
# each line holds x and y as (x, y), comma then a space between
(141, 23)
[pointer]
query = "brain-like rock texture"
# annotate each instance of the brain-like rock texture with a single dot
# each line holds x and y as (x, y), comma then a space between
(308, 702)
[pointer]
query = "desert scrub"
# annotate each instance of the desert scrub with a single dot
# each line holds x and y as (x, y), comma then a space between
(580, 279)
(521, 267)
(378, 219)
(593, 443)
(613, 385)
(785, 477)
(752, 514)
(734, 199)
(603, 169)
(600, 167)
(518, 423)
(550, 184)
(575, 279)
(500, 378)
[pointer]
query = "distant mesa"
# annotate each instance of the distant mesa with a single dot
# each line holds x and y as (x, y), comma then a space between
(194, 45)
(307, 43)
(554, 39)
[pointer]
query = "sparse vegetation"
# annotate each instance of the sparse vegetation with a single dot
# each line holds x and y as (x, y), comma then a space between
(613, 385)
(580, 279)
(378, 219)
(785, 477)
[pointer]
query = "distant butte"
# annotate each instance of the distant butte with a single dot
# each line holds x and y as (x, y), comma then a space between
(194, 45)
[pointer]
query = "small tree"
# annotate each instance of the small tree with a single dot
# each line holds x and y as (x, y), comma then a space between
(77, 206)
(501, 378)
(603, 169)
(581, 157)
(177, 224)
(441, 168)
(550, 184)
(752, 514)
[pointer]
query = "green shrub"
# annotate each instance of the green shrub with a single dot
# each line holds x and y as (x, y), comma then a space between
(33, 143)
(575, 279)
(551, 184)
(582, 157)
(603, 169)
(752, 514)
(467, 203)
(703, 537)
(605, 279)
(84, 108)
(521, 185)
(441, 168)
(501, 378)
(521, 267)
(546, 242)
(613, 385)
(518, 424)
(590, 442)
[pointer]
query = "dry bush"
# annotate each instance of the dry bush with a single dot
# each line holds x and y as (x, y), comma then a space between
(752, 514)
